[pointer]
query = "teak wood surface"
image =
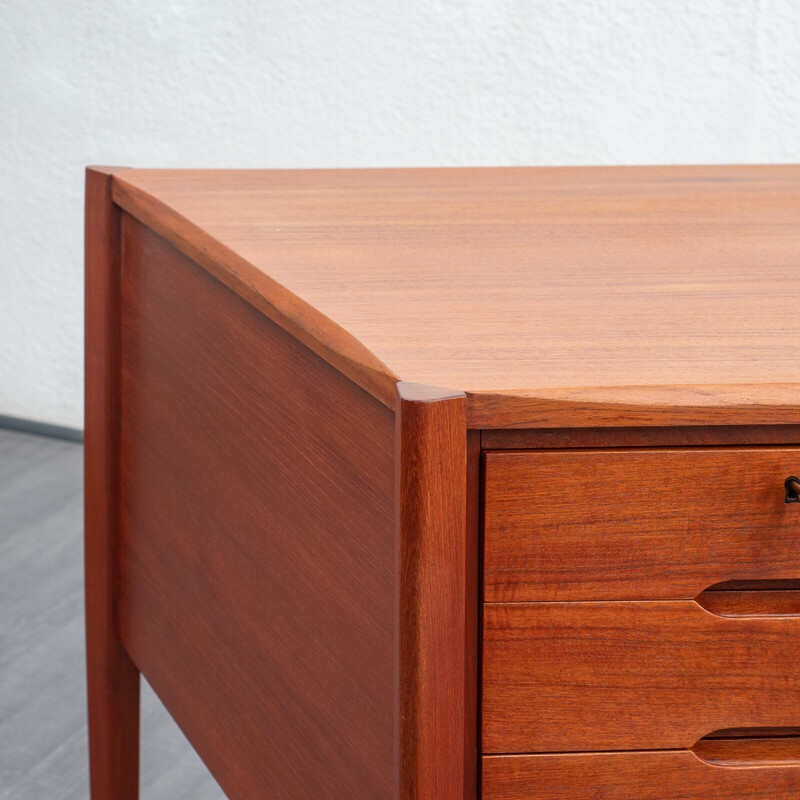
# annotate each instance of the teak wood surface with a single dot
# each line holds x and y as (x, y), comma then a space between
(647, 675)
(566, 297)
(644, 523)
(331, 412)
(666, 775)
(284, 549)
(257, 554)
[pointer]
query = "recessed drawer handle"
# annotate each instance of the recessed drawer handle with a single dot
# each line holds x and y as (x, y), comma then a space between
(792, 485)
(750, 747)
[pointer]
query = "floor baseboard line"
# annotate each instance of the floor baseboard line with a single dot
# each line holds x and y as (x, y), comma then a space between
(22, 425)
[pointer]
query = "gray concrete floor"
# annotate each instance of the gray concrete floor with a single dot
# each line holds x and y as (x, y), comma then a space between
(42, 677)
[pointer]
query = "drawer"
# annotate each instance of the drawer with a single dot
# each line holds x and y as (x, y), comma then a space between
(638, 523)
(636, 675)
(725, 770)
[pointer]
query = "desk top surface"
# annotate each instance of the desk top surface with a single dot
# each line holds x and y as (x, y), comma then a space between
(551, 296)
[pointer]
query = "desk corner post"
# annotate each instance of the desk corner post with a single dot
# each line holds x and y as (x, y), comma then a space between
(432, 599)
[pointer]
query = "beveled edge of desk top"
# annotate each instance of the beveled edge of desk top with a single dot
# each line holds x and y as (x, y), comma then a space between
(748, 403)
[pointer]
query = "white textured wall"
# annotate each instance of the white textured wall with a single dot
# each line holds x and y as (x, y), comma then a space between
(299, 83)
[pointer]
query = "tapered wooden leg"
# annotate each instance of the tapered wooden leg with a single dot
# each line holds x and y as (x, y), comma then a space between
(113, 719)
(113, 680)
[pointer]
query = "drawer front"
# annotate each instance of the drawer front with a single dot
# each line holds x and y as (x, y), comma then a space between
(636, 524)
(674, 775)
(632, 675)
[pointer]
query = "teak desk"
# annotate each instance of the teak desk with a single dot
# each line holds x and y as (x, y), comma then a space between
(447, 484)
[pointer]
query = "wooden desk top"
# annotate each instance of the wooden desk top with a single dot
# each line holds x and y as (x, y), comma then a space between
(551, 296)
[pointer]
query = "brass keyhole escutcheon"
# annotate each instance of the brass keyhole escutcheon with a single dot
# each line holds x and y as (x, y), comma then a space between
(792, 485)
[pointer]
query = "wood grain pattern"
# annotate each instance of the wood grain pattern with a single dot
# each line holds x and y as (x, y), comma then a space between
(567, 297)
(231, 266)
(434, 676)
(670, 775)
(113, 680)
(631, 675)
(651, 405)
(258, 552)
(636, 524)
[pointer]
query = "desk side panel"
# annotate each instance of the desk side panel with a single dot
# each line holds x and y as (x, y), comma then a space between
(257, 558)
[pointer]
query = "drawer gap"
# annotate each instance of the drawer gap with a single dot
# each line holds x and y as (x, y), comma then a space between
(756, 586)
(752, 733)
